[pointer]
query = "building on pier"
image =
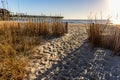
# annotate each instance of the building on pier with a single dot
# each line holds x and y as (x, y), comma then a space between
(6, 15)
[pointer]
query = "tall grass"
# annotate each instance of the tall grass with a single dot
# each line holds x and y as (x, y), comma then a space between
(16, 42)
(44, 28)
(105, 36)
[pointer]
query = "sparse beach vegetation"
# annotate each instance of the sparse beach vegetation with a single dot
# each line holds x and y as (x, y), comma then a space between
(17, 41)
(105, 36)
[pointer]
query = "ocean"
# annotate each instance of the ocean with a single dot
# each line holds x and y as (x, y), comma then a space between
(84, 21)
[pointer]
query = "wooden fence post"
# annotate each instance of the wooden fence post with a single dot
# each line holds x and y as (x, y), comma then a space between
(66, 27)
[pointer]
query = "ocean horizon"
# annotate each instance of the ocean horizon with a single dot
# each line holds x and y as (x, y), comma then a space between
(83, 21)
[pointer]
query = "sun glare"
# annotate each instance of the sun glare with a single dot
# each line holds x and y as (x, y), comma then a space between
(114, 6)
(115, 21)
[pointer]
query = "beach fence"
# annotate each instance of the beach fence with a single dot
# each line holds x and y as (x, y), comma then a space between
(105, 36)
(32, 28)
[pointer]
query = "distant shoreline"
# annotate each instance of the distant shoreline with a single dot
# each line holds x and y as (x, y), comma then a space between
(84, 21)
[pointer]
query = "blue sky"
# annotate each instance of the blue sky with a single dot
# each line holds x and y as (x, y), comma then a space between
(70, 9)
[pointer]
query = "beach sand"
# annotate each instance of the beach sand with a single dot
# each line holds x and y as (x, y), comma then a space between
(70, 57)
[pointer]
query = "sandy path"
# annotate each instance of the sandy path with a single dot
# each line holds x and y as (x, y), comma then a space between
(70, 58)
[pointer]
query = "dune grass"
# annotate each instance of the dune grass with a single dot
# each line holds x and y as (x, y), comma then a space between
(17, 41)
(105, 36)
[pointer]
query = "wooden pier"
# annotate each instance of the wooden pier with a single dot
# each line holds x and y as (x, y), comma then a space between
(5, 15)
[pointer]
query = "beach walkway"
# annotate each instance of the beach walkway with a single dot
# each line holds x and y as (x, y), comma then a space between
(70, 58)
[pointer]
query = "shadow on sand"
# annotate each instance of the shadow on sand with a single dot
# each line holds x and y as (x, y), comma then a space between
(69, 66)
(81, 64)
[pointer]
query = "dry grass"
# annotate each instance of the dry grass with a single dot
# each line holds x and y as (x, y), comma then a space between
(44, 28)
(105, 36)
(16, 41)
